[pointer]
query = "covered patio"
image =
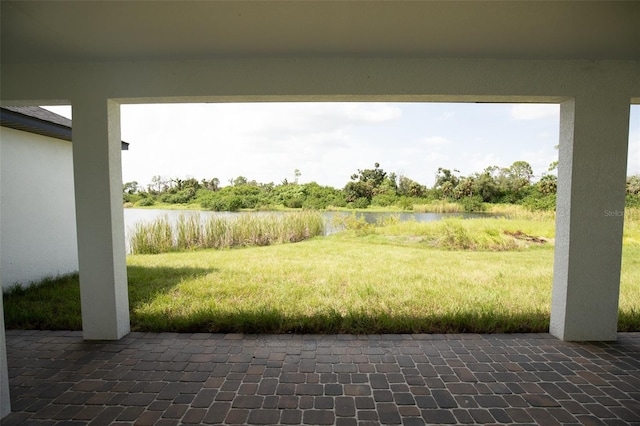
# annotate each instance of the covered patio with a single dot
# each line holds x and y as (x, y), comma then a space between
(172, 379)
(96, 56)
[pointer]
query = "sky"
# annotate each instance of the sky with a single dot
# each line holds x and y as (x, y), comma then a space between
(328, 142)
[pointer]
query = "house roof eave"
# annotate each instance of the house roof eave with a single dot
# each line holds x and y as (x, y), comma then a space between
(41, 122)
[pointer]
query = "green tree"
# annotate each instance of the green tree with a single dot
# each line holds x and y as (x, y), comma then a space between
(521, 170)
(239, 181)
(513, 179)
(464, 188)
(633, 185)
(410, 188)
(548, 184)
(158, 185)
(211, 185)
(366, 184)
(446, 181)
(445, 175)
(447, 189)
(130, 187)
(485, 185)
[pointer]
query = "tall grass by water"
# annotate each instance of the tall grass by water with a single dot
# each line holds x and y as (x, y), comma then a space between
(438, 207)
(219, 232)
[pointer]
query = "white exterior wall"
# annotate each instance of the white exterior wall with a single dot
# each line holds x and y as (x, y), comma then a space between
(37, 208)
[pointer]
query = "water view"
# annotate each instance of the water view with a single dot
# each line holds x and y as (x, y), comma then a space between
(332, 225)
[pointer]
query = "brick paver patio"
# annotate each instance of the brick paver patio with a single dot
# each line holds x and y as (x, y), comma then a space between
(170, 379)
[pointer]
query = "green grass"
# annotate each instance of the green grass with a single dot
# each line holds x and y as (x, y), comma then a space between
(491, 234)
(390, 279)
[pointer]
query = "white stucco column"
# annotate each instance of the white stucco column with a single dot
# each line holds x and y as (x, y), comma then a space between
(594, 133)
(5, 403)
(99, 217)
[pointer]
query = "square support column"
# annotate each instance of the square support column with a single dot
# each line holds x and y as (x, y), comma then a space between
(594, 133)
(100, 220)
(5, 403)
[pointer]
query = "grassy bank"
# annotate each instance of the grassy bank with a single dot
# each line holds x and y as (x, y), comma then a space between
(397, 278)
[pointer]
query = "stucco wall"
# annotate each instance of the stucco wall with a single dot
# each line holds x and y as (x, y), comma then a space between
(5, 403)
(37, 209)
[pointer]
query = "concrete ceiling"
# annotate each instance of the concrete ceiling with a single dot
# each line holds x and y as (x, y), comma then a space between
(82, 31)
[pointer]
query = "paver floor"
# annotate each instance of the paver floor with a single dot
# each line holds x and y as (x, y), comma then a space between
(170, 379)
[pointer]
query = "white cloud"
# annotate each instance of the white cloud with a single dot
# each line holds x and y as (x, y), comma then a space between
(540, 160)
(534, 111)
(328, 142)
(265, 142)
(369, 112)
(479, 161)
(63, 110)
(436, 157)
(445, 116)
(436, 140)
(633, 161)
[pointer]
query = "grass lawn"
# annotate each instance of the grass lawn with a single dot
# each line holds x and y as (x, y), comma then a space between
(450, 276)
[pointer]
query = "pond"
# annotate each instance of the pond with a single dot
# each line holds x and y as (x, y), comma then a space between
(134, 216)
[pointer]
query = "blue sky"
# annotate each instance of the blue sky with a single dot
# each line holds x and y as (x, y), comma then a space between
(328, 142)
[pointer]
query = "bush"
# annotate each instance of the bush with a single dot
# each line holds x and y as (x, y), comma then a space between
(130, 198)
(354, 223)
(222, 203)
(632, 200)
(360, 203)
(183, 197)
(405, 203)
(535, 202)
(472, 204)
(145, 202)
(384, 200)
(294, 202)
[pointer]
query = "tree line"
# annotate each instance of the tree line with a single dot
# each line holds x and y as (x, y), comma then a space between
(366, 187)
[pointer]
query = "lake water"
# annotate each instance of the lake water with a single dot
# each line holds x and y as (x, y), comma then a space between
(134, 216)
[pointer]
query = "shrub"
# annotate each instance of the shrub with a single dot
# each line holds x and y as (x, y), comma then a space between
(405, 203)
(182, 197)
(360, 203)
(222, 203)
(632, 200)
(294, 202)
(233, 203)
(354, 223)
(472, 204)
(384, 200)
(145, 202)
(454, 235)
(538, 201)
(130, 198)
